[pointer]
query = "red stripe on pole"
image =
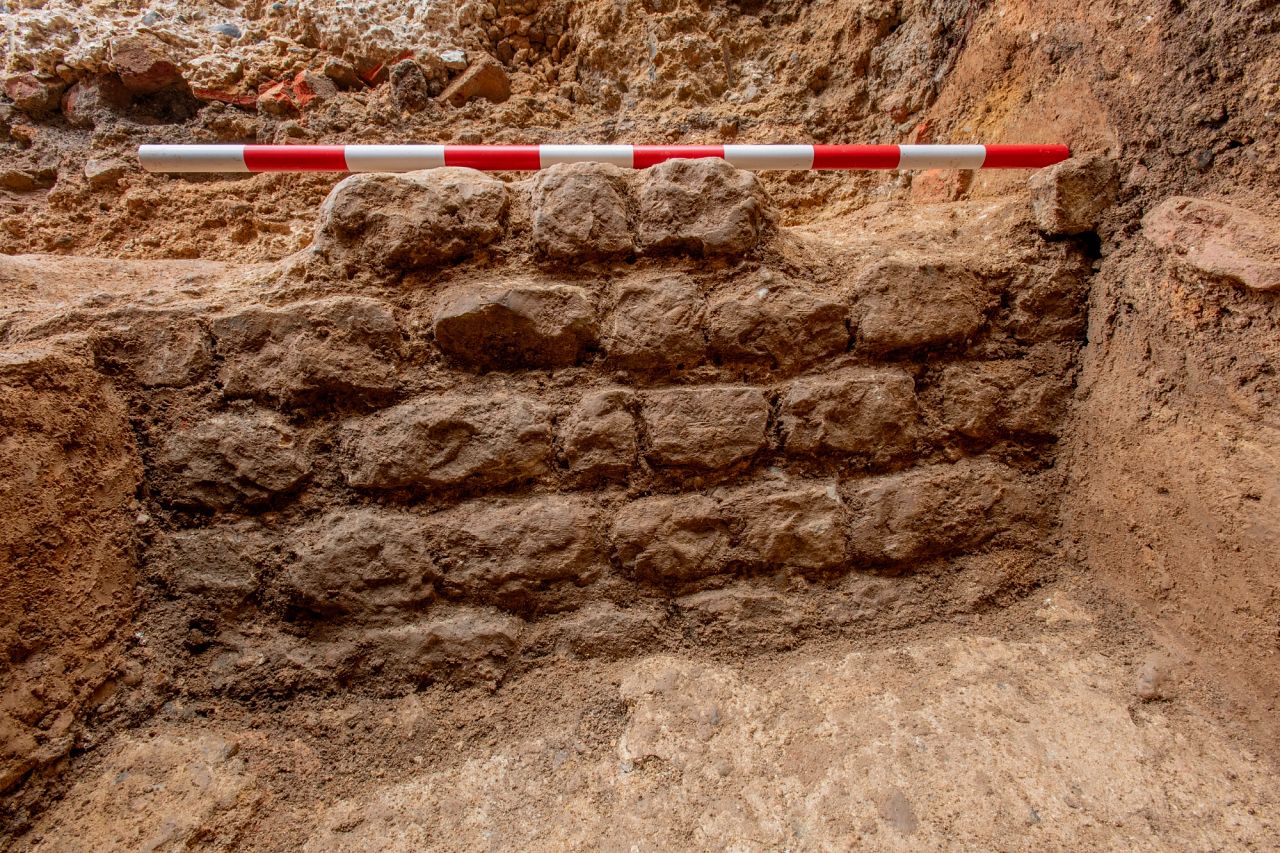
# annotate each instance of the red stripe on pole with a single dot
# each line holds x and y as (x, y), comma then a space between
(855, 156)
(295, 158)
(1024, 156)
(651, 155)
(498, 158)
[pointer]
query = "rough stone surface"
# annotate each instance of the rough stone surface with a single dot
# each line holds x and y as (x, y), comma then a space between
(143, 64)
(359, 563)
(869, 411)
(1070, 197)
(598, 437)
(777, 324)
(672, 539)
(1219, 240)
(990, 399)
(580, 211)
(449, 442)
(508, 553)
(230, 459)
(330, 351)
(656, 325)
(527, 325)
(799, 528)
(32, 94)
(93, 100)
(156, 349)
(1048, 299)
(934, 510)
(409, 88)
(705, 427)
(908, 305)
(105, 173)
(462, 645)
(703, 206)
(216, 568)
(415, 219)
(484, 78)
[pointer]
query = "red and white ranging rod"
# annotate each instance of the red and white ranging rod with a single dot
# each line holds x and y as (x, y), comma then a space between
(502, 158)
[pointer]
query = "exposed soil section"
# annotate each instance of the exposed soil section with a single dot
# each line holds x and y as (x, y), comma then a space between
(681, 508)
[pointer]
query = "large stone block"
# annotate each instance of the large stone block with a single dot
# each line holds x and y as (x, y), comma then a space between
(777, 324)
(215, 569)
(706, 426)
(1047, 298)
(935, 510)
(580, 211)
(231, 459)
(156, 349)
(529, 325)
(359, 563)
(1070, 197)
(449, 442)
(668, 539)
(339, 350)
(869, 411)
(506, 554)
(1220, 240)
(657, 325)
(795, 528)
(598, 437)
(704, 206)
(461, 644)
(990, 399)
(415, 219)
(908, 305)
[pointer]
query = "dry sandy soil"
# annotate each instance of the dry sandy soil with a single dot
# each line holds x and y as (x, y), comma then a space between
(676, 509)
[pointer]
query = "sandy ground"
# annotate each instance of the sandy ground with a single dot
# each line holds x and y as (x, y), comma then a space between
(970, 736)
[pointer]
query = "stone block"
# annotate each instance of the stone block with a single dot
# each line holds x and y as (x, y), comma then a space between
(598, 437)
(869, 411)
(777, 324)
(657, 326)
(902, 305)
(672, 539)
(704, 206)
(230, 459)
(705, 427)
(580, 211)
(449, 442)
(339, 350)
(528, 325)
(411, 220)
(1070, 197)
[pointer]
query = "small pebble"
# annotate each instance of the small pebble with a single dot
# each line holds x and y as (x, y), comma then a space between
(226, 29)
(151, 19)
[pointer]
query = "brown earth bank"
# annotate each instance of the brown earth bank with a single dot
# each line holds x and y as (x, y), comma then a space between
(676, 508)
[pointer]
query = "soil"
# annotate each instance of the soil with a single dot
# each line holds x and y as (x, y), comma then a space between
(680, 508)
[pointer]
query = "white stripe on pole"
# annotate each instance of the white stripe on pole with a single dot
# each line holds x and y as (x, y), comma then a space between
(618, 155)
(769, 156)
(393, 158)
(941, 156)
(192, 158)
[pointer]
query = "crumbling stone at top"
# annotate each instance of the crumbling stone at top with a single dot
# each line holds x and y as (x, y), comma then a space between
(1070, 197)
(580, 210)
(412, 220)
(1219, 240)
(702, 206)
(905, 305)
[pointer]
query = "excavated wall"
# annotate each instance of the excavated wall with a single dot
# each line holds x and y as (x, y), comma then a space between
(480, 425)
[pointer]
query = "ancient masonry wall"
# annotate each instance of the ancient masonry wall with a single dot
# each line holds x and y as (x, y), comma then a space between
(591, 413)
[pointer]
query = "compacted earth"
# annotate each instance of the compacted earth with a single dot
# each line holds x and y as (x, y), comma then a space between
(679, 508)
